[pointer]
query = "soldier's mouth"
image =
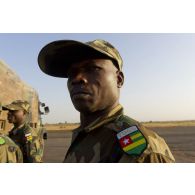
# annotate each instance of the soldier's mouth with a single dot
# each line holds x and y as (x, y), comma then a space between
(79, 95)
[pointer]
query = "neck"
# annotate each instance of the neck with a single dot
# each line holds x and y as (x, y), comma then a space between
(16, 125)
(87, 118)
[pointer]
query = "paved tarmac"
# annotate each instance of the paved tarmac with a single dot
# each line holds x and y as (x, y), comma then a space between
(181, 141)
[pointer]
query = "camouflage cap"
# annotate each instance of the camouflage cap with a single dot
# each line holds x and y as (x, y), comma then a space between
(56, 57)
(18, 105)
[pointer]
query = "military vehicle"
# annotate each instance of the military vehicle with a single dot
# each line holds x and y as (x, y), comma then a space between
(13, 88)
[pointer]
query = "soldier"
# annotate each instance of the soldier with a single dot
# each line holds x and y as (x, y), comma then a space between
(94, 72)
(9, 151)
(22, 134)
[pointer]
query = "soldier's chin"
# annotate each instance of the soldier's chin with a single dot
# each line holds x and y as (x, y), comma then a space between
(83, 108)
(10, 121)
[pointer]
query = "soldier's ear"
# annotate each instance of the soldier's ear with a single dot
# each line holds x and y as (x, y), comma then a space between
(120, 79)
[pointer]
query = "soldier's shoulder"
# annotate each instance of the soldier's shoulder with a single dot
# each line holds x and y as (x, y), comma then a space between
(29, 130)
(2, 139)
(136, 139)
(11, 150)
(157, 146)
(122, 122)
(6, 141)
(129, 135)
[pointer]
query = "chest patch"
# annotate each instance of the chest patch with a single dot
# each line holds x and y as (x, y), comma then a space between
(132, 141)
(28, 136)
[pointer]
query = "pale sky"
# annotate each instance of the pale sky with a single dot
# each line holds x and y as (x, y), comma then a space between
(159, 73)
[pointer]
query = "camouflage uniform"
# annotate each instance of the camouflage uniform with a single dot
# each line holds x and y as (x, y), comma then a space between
(28, 141)
(9, 151)
(25, 136)
(111, 138)
(99, 142)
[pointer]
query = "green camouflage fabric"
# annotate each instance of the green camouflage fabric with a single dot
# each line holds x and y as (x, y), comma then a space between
(29, 142)
(55, 58)
(18, 105)
(9, 151)
(40, 131)
(98, 142)
(106, 48)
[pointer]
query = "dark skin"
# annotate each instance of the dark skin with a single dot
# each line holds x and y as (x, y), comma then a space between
(17, 117)
(94, 87)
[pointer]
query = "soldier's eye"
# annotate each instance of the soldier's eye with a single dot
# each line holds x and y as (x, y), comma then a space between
(97, 68)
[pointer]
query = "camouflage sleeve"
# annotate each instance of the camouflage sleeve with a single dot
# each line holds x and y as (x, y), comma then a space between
(34, 148)
(148, 158)
(140, 144)
(10, 152)
(19, 155)
(3, 155)
(155, 158)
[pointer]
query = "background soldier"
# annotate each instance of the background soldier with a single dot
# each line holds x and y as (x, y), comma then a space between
(94, 72)
(22, 134)
(9, 151)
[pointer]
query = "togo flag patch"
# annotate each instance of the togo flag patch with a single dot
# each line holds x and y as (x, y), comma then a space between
(132, 140)
(28, 137)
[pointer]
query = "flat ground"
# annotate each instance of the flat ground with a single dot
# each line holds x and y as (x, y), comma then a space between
(181, 140)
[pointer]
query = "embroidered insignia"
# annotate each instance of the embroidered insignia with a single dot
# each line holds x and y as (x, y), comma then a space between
(11, 148)
(28, 136)
(132, 140)
(2, 141)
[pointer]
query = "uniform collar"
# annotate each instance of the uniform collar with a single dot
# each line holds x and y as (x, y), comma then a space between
(19, 127)
(114, 113)
(15, 130)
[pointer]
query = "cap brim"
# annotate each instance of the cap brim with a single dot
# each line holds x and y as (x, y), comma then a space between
(11, 107)
(55, 58)
(4, 108)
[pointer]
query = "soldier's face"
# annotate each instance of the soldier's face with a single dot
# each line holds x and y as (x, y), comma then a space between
(94, 84)
(16, 116)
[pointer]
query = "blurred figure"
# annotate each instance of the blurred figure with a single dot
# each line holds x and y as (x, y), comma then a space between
(9, 151)
(22, 134)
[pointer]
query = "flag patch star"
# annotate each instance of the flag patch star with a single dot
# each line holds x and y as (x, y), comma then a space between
(126, 141)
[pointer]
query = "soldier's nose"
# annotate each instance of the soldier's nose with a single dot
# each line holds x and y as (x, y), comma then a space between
(79, 78)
